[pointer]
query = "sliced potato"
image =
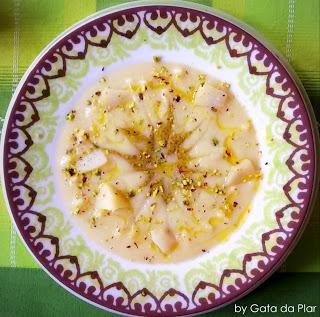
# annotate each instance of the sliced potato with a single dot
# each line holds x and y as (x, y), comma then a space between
(146, 209)
(111, 98)
(139, 200)
(122, 164)
(233, 115)
(119, 118)
(205, 146)
(152, 107)
(210, 161)
(190, 118)
(238, 172)
(163, 238)
(183, 81)
(178, 72)
(195, 136)
(132, 180)
(209, 96)
(91, 161)
(65, 160)
(114, 225)
(114, 139)
(244, 145)
(110, 199)
(76, 202)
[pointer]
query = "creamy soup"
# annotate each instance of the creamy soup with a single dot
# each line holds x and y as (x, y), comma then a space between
(158, 162)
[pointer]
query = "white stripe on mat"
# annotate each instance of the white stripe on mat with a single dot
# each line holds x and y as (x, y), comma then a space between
(290, 29)
(15, 80)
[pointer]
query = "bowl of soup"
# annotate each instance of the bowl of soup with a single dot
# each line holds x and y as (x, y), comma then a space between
(159, 160)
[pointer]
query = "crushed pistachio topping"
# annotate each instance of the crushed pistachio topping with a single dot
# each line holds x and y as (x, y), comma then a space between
(131, 193)
(202, 79)
(71, 115)
(215, 141)
(157, 59)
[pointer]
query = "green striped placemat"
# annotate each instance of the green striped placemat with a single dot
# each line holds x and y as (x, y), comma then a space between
(26, 27)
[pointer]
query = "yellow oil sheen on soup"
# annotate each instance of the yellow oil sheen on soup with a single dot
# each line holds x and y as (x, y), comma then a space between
(158, 162)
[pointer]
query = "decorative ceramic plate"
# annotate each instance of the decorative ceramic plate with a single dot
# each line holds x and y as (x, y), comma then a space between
(186, 33)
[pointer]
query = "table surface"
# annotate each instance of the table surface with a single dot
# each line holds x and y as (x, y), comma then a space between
(26, 27)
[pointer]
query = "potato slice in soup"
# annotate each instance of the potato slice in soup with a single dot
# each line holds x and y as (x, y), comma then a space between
(209, 96)
(115, 139)
(131, 181)
(110, 199)
(91, 161)
(163, 238)
(239, 171)
(111, 98)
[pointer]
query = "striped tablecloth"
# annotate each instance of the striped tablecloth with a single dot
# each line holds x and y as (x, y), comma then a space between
(26, 27)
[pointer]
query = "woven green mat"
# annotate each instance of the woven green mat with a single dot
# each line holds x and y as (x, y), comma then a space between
(26, 27)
